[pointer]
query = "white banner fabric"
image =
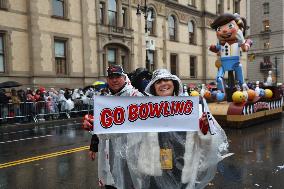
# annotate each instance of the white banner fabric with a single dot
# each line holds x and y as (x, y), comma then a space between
(113, 114)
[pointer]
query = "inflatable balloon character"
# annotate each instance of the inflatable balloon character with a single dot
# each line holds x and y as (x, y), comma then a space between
(251, 94)
(238, 97)
(207, 95)
(230, 31)
(268, 93)
(194, 93)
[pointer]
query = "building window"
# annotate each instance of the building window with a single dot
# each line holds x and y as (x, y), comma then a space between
(124, 17)
(58, 8)
(237, 7)
(150, 64)
(3, 4)
(104, 64)
(150, 21)
(60, 56)
(192, 67)
(266, 25)
(266, 45)
(173, 62)
(265, 8)
(2, 53)
(191, 32)
(111, 56)
(102, 12)
(172, 28)
(266, 64)
(124, 63)
(220, 6)
(191, 2)
(112, 13)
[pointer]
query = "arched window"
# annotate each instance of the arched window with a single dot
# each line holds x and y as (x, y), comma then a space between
(191, 32)
(151, 21)
(172, 27)
(112, 13)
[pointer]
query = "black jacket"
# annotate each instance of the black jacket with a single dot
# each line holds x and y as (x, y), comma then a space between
(94, 143)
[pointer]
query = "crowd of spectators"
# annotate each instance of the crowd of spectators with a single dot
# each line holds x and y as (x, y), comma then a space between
(41, 104)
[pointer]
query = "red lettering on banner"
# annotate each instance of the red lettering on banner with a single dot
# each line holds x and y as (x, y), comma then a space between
(177, 107)
(188, 107)
(143, 111)
(166, 111)
(156, 109)
(132, 112)
(118, 116)
(106, 118)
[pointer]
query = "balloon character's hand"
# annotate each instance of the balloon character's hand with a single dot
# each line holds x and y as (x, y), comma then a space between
(213, 48)
(240, 37)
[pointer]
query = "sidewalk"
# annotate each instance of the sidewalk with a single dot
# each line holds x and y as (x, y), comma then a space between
(19, 126)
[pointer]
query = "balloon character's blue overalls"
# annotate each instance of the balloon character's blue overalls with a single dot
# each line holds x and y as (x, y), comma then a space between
(230, 61)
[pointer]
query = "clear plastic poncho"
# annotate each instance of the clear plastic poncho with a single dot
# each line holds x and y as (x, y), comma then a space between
(169, 160)
(135, 160)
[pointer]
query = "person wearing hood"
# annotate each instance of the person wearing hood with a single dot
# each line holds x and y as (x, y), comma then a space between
(135, 160)
(191, 156)
(113, 171)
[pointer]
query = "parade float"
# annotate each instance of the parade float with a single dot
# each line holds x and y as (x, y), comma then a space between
(234, 104)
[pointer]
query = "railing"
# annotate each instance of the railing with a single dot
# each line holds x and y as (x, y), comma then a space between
(44, 110)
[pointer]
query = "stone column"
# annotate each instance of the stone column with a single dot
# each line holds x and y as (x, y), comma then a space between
(34, 40)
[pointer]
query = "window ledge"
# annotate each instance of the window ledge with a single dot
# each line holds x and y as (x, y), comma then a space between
(174, 40)
(3, 9)
(62, 75)
(153, 35)
(265, 31)
(192, 6)
(60, 18)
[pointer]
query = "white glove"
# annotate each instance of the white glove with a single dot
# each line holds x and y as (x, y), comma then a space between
(240, 37)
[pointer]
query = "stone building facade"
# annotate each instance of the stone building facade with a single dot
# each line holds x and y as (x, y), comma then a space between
(267, 33)
(69, 43)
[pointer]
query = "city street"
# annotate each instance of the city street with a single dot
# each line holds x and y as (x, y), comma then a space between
(55, 156)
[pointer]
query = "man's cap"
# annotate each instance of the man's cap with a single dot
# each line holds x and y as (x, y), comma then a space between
(115, 70)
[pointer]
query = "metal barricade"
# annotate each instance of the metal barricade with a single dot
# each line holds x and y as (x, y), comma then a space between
(3, 111)
(44, 110)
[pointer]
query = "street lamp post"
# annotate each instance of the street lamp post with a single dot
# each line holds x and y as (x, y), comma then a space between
(144, 9)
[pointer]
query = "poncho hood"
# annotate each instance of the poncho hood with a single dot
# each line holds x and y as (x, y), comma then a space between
(163, 74)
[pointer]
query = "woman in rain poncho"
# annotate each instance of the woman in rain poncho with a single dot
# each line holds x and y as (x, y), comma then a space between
(194, 155)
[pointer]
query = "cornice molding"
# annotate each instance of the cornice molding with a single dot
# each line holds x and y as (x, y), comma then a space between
(177, 6)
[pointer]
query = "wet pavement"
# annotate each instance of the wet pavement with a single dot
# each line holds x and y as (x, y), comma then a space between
(257, 160)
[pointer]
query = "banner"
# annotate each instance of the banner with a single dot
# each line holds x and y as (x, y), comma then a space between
(113, 114)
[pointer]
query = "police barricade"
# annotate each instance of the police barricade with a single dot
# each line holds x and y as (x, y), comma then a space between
(82, 106)
(44, 110)
(18, 112)
(3, 111)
